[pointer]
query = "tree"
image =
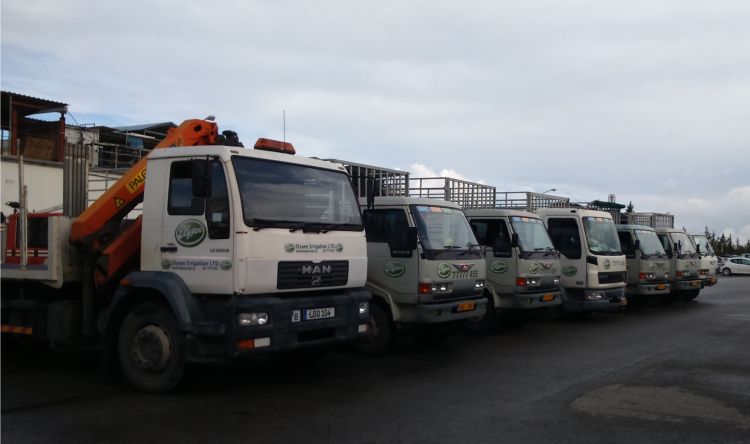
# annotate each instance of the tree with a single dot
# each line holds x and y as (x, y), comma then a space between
(630, 208)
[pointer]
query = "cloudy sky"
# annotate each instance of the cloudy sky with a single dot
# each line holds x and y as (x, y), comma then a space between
(649, 100)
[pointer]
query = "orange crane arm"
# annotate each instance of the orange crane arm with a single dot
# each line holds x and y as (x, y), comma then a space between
(96, 226)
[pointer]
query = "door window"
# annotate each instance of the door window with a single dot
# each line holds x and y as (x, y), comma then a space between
(386, 226)
(492, 233)
(565, 236)
(626, 243)
(181, 201)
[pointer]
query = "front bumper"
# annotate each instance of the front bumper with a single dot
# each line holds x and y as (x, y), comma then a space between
(287, 329)
(611, 300)
(709, 281)
(650, 289)
(692, 284)
(440, 312)
(528, 301)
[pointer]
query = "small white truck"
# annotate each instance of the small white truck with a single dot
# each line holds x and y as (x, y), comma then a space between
(684, 262)
(647, 263)
(425, 269)
(593, 266)
(238, 251)
(523, 267)
(709, 260)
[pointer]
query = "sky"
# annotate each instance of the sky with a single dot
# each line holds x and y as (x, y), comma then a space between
(647, 100)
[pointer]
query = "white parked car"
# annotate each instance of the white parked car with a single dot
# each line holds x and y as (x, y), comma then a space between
(736, 265)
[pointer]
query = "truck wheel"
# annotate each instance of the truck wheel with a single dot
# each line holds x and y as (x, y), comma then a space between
(726, 271)
(151, 348)
(379, 334)
(635, 302)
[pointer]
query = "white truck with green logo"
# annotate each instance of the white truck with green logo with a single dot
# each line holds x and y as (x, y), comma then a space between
(709, 260)
(647, 263)
(238, 251)
(593, 266)
(425, 269)
(523, 267)
(684, 262)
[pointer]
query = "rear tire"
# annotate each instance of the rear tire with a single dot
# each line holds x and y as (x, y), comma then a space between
(690, 295)
(726, 271)
(635, 302)
(379, 333)
(151, 348)
(487, 323)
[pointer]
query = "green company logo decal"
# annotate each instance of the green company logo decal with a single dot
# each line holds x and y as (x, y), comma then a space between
(607, 264)
(190, 233)
(289, 248)
(394, 269)
(443, 270)
(166, 264)
(339, 248)
(534, 268)
(498, 267)
(226, 265)
(569, 271)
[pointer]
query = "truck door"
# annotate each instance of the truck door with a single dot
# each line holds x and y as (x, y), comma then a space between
(566, 237)
(390, 263)
(196, 241)
(493, 235)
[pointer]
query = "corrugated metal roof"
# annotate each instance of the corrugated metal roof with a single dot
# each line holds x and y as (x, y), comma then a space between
(33, 101)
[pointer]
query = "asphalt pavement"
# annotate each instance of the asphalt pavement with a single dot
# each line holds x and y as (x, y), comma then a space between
(667, 374)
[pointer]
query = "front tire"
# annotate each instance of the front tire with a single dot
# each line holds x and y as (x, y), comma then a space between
(726, 271)
(379, 334)
(487, 323)
(151, 348)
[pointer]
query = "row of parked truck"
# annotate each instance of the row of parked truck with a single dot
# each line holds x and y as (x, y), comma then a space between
(239, 251)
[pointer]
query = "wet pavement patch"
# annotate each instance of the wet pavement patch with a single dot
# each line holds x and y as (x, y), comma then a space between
(658, 404)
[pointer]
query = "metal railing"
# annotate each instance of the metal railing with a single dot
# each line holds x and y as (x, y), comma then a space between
(115, 157)
(529, 200)
(385, 181)
(653, 220)
(462, 192)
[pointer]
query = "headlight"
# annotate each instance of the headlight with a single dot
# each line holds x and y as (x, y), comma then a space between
(594, 296)
(426, 288)
(364, 308)
(248, 319)
(478, 285)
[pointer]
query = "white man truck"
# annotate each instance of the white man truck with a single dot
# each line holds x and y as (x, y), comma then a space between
(709, 260)
(237, 251)
(593, 266)
(684, 262)
(647, 263)
(523, 267)
(425, 270)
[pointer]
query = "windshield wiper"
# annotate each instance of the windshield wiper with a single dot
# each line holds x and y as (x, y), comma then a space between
(471, 247)
(259, 224)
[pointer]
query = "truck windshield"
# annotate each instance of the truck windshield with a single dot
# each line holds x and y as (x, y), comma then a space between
(686, 245)
(532, 236)
(286, 195)
(705, 245)
(445, 233)
(601, 236)
(649, 243)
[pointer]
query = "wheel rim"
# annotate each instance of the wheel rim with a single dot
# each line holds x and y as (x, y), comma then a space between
(151, 348)
(373, 331)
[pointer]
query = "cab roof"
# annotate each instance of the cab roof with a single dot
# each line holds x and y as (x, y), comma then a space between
(393, 201)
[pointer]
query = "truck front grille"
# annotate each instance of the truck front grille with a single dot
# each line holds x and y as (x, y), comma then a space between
(612, 277)
(308, 274)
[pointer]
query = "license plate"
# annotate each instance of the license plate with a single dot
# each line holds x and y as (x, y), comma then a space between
(661, 287)
(466, 306)
(548, 297)
(312, 314)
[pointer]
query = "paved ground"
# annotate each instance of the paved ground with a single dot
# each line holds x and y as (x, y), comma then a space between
(664, 374)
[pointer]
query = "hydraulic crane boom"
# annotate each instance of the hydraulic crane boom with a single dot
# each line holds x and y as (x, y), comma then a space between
(98, 229)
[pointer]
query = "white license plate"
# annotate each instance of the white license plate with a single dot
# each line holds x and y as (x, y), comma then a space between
(312, 314)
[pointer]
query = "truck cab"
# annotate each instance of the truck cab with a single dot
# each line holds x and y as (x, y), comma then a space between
(709, 261)
(523, 267)
(593, 272)
(647, 264)
(425, 268)
(684, 262)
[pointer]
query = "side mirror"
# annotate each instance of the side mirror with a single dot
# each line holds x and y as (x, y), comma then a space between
(201, 177)
(637, 244)
(679, 246)
(411, 238)
(698, 249)
(514, 240)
